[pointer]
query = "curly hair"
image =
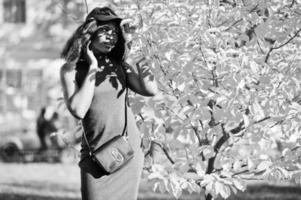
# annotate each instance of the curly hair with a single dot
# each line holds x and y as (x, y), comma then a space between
(73, 49)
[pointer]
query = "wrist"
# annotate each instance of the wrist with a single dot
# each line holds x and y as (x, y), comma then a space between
(93, 66)
(92, 71)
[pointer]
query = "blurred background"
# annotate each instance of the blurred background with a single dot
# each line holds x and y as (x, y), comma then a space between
(31, 37)
(34, 163)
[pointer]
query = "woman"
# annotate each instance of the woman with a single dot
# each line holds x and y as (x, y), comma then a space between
(94, 79)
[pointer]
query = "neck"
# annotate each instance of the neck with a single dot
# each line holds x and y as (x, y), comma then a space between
(100, 56)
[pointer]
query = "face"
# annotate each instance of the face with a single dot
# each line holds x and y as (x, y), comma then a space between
(106, 38)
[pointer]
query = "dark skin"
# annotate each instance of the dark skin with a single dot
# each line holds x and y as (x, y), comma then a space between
(78, 99)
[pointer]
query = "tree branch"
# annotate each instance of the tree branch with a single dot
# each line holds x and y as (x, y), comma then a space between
(232, 25)
(241, 124)
(295, 35)
(280, 46)
(292, 4)
(164, 149)
(261, 120)
(196, 132)
(233, 4)
(239, 128)
(216, 148)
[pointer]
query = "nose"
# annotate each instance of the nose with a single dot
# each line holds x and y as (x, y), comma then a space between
(110, 32)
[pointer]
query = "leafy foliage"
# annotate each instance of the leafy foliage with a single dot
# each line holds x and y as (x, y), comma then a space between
(229, 109)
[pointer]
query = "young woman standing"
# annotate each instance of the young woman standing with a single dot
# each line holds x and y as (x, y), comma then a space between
(95, 79)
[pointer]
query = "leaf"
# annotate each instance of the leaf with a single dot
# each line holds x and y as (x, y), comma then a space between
(208, 152)
(222, 189)
(200, 169)
(258, 111)
(174, 183)
(137, 105)
(254, 67)
(296, 106)
(181, 87)
(227, 166)
(264, 165)
(286, 152)
(191, 175)
(251, 165)
(237, 165)
(159, 186)
(239, 184)
(193, 187)
(246, 120)
(156, 175)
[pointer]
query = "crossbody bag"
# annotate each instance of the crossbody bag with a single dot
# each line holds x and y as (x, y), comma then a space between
(115, 153)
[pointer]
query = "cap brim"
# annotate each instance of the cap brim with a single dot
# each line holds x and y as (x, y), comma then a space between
(105, 18)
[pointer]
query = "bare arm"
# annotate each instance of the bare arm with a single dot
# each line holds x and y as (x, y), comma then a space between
(78, 99)
(143, 81)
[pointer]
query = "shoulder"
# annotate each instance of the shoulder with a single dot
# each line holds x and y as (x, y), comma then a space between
(68, 67)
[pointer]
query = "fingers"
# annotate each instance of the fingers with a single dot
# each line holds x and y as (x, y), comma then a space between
(126, 21)
(144, 61)
(141, 59)
(89, 51)
(90, 54)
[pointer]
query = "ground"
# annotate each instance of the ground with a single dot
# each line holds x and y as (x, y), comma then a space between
(42, 181)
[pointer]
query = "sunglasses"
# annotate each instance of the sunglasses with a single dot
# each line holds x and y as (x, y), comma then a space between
(106, 28)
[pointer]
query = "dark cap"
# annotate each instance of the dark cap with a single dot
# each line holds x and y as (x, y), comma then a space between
(103, 14)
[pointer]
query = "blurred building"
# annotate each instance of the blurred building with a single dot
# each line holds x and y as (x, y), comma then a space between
(31, 37)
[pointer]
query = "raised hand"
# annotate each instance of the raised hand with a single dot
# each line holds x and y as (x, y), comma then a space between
(90, 56)
(143, 64)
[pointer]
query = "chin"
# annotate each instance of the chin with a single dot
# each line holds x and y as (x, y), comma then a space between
(106, 51)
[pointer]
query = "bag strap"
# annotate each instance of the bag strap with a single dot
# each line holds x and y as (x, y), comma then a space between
(124, 132)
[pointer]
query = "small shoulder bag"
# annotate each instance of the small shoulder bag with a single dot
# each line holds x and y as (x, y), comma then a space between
(115, 153)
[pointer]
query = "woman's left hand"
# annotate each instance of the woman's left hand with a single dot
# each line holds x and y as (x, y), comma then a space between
(144, 61)
(142, 82)
(143, 66)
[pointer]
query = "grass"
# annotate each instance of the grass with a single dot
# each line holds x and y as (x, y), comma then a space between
(42, 181)
(45, 181)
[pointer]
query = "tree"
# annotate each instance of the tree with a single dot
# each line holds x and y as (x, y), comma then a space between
(229, 74)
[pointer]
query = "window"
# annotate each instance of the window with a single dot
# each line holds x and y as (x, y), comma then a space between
(14, 78)
(14, 11)
(21, 89)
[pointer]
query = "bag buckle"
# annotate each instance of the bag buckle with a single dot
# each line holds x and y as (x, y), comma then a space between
(117, 156)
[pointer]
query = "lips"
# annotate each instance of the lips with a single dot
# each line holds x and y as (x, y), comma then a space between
(108, 46)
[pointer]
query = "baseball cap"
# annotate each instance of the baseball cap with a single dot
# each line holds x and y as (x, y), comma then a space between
(103, 14)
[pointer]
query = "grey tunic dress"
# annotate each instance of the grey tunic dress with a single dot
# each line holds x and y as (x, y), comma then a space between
(104, 120)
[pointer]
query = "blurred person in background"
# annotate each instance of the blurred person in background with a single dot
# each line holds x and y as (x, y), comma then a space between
(94, 80)
(41, 121)
(47, 124)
